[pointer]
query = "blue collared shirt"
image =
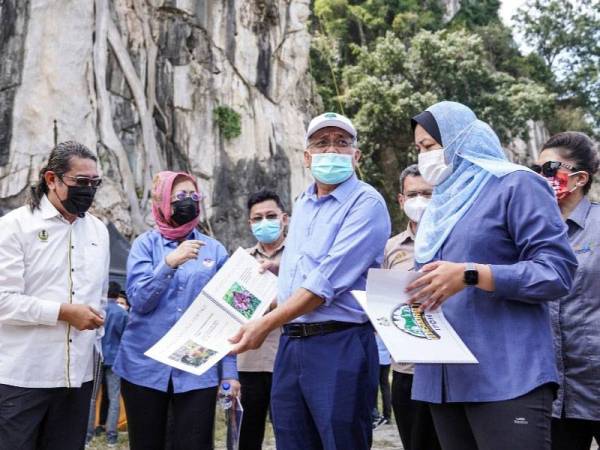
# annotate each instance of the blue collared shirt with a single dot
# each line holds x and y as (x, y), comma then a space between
(114, 325)
(331, 244)
(159, 296)
(514, 226)
(576, 321)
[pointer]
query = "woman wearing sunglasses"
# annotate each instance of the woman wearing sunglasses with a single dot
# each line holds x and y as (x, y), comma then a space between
(494, 251)
(569, 161)
(166, 270)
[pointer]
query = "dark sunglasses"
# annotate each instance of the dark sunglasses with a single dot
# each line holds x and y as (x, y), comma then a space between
(549, 168)
(83, 181)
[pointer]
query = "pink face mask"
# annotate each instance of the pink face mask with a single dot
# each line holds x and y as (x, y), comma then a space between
(559, 183)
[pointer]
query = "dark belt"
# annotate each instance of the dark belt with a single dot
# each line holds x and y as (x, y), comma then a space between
(301, 330)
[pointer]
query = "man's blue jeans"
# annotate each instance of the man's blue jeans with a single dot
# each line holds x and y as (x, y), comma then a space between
(113, 383)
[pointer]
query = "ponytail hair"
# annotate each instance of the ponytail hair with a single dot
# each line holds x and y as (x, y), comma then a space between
(59, 162)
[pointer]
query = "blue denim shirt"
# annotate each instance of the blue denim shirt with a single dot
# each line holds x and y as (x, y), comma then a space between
(159, 296)
(514, 226)
(114, 325)
(331, 244)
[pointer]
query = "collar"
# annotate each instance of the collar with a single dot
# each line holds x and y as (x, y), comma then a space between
(258, 248)
(194, 235)
(48, 209)
(579, 215)
(406, 235)
(340, 193)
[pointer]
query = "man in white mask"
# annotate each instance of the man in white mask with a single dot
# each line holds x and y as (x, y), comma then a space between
(412, 417)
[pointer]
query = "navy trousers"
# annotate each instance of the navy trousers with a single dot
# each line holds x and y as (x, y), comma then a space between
(324, 389)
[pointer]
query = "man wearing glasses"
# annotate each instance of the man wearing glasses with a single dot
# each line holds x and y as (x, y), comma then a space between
(54, 260)
(326, 370)
(413, 418)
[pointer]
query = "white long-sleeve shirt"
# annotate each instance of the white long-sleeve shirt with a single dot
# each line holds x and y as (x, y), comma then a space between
(46, 261)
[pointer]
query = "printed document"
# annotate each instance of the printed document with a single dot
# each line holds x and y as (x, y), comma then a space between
(409, 334)
(236, 294)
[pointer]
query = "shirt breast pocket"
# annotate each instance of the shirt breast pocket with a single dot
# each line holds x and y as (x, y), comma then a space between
(319, 241)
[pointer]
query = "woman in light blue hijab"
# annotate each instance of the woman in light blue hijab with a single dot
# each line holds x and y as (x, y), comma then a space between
(494, 251)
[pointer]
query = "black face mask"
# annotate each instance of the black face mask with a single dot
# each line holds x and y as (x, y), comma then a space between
(184, 211)
(79, 199)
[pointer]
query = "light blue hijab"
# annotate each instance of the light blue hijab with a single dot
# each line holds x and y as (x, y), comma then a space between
(476, 155)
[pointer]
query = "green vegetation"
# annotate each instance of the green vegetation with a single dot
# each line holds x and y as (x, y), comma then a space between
(228, 121)
(382, 61)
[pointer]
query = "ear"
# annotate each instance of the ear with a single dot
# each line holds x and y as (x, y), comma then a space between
(583, 178)
(307, 159)
(285, 220)
(401, 200)
(51, 179)
(357, 156)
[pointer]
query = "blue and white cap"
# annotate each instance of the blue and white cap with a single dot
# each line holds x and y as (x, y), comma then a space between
(329, 119)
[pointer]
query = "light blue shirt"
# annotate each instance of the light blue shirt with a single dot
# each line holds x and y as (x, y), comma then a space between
(159, 296)
(384, 354)
(515, 226)
(331, 244)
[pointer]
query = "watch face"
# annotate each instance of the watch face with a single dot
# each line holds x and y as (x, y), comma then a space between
(471, 277)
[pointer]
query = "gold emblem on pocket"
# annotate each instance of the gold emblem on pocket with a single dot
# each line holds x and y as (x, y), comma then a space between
(43, 236)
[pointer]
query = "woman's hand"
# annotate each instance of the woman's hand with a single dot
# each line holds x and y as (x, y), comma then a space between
(235, 387)
(183, 253)
(442, 280)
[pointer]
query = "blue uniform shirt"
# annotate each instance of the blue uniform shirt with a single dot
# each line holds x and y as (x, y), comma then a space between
(159, 296)
(515, 227)
(114, 325)
(331, 244)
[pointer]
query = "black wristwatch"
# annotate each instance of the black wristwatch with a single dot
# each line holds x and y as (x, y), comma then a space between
(471, 275)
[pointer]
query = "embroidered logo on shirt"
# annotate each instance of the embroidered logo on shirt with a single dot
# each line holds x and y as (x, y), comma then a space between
(43, 236)
(411, 320)
(587, 248)
(520, 421)
(208, 263)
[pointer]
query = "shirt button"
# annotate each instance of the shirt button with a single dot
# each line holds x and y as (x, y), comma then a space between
(70, 340)
(179, 309)
(73, 293)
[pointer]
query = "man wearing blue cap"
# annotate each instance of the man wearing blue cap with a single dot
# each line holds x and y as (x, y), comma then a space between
(326, 370)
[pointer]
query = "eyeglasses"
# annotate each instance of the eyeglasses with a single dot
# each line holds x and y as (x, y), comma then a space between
(324, 144)
(413, 194)
(182, 195)
(258, 219)
(549, 168)
(83, 181)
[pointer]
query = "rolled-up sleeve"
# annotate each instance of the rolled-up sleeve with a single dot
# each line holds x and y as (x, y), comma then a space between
(145, 283)
(546, 262)
(357, 246)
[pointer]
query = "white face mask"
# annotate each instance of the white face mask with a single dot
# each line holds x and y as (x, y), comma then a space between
(415, 207)
(433, 167)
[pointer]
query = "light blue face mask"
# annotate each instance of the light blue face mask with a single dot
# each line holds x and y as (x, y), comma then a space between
(331, 168)
(267, 231)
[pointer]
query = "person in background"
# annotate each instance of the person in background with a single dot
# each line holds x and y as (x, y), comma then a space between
(114, 325)
(494, 251)
(54, 262)
(413, 417)
(569, 161)
(384, 386)
(326, 368)
(122, 301)
(268, 221)
(166, 270)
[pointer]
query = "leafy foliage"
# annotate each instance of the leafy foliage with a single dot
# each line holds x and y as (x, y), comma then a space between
(566, 36)
(228, 121)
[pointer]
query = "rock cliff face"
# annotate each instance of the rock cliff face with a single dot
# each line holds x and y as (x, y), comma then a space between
(138, 82)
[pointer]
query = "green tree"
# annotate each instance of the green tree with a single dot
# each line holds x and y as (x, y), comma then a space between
(566, 35)
(392, 81)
